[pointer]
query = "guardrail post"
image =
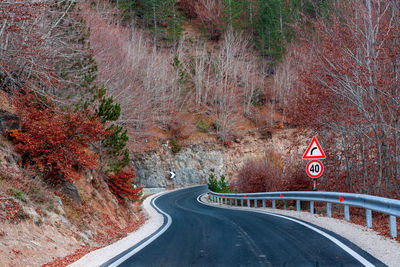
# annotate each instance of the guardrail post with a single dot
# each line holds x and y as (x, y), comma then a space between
(273, 204)
(241, 202)
(329, 209)
(235, 202)
(248, 203)
(263, 203)
(298, 205)
(393, 227)
(368, 215)
(312, 207)
(285, 205)
(346, 213)
(255, 203)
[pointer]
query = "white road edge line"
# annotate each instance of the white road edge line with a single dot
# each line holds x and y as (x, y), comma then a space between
(333, 239)
(136, 250)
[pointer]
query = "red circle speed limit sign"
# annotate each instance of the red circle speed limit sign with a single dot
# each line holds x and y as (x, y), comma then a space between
(315, 168)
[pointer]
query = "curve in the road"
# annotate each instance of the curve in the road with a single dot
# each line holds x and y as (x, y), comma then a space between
(117, 260)
(203, 235)
(357, 256)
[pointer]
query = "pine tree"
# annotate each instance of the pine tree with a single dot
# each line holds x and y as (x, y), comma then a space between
(108, 111)
(234, 14)
(272, 27)
(164, 19)
(275, 20)
(115, 143)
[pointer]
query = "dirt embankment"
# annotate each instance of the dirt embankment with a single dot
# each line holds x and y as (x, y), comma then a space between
(40, 224)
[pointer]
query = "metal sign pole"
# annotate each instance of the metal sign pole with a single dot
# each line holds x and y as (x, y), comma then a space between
(314, 189)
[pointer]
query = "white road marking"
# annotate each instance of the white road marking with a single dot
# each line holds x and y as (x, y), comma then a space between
(136, 250)
(333, 239)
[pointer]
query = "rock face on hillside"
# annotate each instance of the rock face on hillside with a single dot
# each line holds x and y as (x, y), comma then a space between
(8, 121)
(191, 165)
(194, 163)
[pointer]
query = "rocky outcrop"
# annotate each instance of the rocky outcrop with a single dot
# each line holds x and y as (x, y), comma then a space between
(8, 121)
(194, 163)
(71, 191)
(191, 165)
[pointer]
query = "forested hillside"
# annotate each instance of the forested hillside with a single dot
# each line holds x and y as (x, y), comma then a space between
(87, 85)
(325, 67)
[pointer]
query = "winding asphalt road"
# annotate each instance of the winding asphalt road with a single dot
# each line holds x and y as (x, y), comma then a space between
(201, 235)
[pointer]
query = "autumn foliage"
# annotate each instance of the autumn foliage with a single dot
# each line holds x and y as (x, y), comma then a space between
(121, 185)
(57, 143)
(345, 88)
(267, 175)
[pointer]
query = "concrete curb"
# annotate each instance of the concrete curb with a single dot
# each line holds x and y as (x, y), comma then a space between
(153, 223)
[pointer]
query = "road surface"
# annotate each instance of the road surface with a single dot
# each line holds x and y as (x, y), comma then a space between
(200, 235)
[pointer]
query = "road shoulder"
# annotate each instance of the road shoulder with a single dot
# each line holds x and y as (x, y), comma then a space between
(154, 221)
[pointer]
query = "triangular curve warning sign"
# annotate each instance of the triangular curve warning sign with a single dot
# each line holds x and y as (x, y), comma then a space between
(314, 150)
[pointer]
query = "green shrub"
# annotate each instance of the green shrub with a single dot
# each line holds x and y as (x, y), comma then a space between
(218, 186)
(175, 146)
(223, 185)
(202, 126)
(18, 194)
(212, 183)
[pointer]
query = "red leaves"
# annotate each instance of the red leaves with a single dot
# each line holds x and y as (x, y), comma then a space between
(258, 176)
(266, 175)
(79, 253)
(58, 143)
(121, 185)
(345, 89)
(10, 210)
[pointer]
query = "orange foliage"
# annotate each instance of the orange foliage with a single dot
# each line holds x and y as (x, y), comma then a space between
(57, 142)
(121, 186)
(15, 135)
(266, 175)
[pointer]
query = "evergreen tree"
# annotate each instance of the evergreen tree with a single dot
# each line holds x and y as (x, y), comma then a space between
(116, 136)
(234, 12)
(115, 144)
(273, 27)
(163, 18)
(108, 111)
(275, 19)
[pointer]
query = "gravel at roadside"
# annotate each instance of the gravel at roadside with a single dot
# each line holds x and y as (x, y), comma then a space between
(385, 249)
(100, 256)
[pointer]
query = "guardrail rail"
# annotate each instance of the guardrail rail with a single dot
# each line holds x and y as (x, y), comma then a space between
(368, 202)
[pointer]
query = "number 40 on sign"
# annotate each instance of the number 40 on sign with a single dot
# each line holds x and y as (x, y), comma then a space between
(315, 168)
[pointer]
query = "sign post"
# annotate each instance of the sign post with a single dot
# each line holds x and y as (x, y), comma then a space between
(314, 168)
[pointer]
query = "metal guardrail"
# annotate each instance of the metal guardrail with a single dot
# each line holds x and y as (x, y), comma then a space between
(368, 202)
